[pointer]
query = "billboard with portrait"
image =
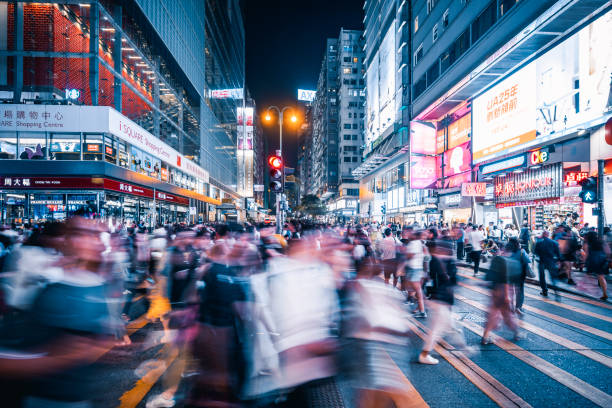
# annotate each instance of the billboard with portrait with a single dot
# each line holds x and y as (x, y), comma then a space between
(457, 160)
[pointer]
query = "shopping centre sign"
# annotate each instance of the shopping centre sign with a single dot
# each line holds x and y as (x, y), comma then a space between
(93, 119)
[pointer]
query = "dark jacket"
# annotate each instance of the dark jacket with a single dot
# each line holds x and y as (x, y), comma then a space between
(443, 273)
(547, 250)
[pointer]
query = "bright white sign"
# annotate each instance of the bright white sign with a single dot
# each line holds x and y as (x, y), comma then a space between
(306, 95)
(505, 116)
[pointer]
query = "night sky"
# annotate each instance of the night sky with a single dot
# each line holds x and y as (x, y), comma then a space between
(285, 42)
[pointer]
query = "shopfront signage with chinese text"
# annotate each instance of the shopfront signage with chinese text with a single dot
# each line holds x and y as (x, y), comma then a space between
(531, 184)
(572, 178)
(474, 189)
(160, 195)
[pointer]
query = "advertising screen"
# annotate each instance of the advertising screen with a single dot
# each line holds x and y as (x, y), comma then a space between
(505, 116)
(424, 171)
(459, 131)
(422, 138)
(380, 82)
(457, 180)
(554, 95)
(306, 95)
(457, 160)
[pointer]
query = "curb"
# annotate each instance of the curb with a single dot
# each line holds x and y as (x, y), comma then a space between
(537, 283)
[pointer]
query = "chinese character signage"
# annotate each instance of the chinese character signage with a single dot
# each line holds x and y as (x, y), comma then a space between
(505, 116)
(530, 184)
(474, 189)
(572, 178)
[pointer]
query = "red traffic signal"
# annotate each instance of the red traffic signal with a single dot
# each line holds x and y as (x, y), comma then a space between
(275, 162)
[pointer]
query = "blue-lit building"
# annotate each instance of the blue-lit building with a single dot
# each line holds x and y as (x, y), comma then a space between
(508, 93)
(126, 108)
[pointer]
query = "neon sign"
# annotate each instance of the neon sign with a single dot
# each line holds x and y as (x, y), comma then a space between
(538, 157)
(574, 177)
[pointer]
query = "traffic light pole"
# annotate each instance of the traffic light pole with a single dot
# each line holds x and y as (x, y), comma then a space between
(600, 194)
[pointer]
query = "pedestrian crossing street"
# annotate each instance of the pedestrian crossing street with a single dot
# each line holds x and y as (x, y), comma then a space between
(564, 359)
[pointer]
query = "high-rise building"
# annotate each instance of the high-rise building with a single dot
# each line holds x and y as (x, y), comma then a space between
(338, 124)
(140, 94)
(304, 154)
(491, 91)
(387, 116)
(325, 125)
(508, 93)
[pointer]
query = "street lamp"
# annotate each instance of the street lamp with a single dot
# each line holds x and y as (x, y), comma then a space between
(281, 114)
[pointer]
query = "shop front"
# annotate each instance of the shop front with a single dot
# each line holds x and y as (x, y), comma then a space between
(542, 198)
(41, 199)
(455, 208)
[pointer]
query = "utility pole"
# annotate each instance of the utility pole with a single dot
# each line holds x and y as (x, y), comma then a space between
(600, 193)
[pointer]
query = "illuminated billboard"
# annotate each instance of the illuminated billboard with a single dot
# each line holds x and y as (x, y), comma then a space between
(555, 95)
(424, 171)
(306, 95)
(505, 116)
(234, 93)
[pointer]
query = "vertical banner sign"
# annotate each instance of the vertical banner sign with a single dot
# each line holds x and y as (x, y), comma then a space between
(244, 152)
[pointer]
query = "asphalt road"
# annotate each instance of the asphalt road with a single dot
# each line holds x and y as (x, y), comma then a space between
(565, 360)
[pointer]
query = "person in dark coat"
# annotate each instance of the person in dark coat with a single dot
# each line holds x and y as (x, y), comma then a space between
(549, 255)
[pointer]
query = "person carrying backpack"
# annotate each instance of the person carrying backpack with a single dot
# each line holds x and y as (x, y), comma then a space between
(504, 270)
(520, 254)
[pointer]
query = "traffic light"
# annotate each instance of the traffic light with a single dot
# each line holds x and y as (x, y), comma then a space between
(383, 209)
(589, 190)
(276, 174)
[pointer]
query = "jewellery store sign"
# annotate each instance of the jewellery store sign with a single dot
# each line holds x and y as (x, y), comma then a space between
(545, 182)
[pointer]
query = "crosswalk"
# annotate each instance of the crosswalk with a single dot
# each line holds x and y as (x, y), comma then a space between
(568, 347)
(565, 359)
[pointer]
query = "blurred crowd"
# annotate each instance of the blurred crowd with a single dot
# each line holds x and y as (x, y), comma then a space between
(243, 316)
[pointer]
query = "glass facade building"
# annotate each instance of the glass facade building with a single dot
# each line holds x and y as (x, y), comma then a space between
(147, 61)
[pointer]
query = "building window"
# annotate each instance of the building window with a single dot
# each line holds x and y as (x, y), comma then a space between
(355, 158)
(355, 60)
(355, 136)
(418, 55)
(8, 145)
(32, 146)
(354, 70)
(65, 146)
(347, 59)
(346, 71)
(434, 33)
(430, 5)
(483, 22)
(445, 19)
(355, 126)
(347, 126)
(350, 115)
(347, 159)
(505, 5)
(416, 24)
(347, 137)
(433, 73)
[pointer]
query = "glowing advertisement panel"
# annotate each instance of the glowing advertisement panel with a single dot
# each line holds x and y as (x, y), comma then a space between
(566, 89)
(372, 106)
(457, 160)
(424, 171)
(306, 95)
(387, 72)
(505, 116)
(422, 138)
(459, 131)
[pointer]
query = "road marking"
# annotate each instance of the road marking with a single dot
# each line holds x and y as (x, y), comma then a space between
(409, 396)
(132, 397)
(583, 388)
(576, 347)
(582, 299)
(491, 387)
(583, 327)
